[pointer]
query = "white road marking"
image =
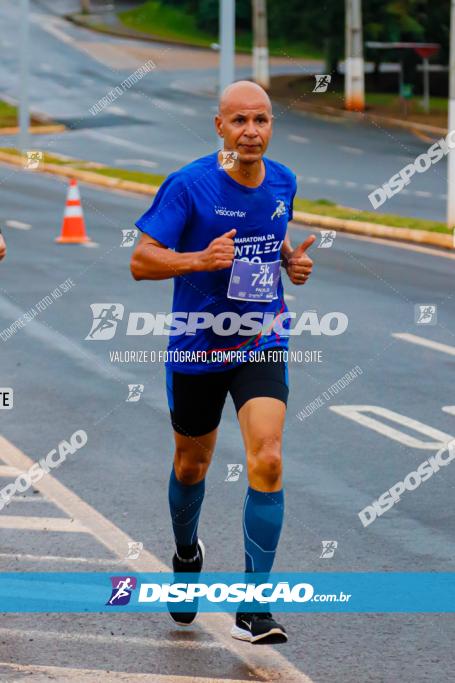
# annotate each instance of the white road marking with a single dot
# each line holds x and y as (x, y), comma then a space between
(49, 24)
(422, 193)
(138, 162)
(19, 225)
(449, 409)
(357, 414)
(6, 471)
(116, 110)
(59, 558)
(332, 181)
(263, 663)
(369, 186)
(172, 106)
(111, 640)
(42, 524)
(421, 341)
(289, 297)
(90, 245)
(312, 179)
(298, 138)
(350, 150)
(350, 183)
(28, 499)
(105, 137)
(43, 674)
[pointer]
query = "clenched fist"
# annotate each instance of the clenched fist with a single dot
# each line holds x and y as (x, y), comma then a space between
(219, 254)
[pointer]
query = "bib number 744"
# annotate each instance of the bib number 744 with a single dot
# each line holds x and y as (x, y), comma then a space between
(263, 277)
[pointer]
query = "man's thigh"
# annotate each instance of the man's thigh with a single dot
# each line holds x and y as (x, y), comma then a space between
(196, 402)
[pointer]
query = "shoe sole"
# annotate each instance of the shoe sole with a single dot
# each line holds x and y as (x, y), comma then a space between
(189, 623)
(274, 636)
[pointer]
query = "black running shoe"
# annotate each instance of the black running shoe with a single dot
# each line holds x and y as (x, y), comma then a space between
(258, 628)
(193, 565)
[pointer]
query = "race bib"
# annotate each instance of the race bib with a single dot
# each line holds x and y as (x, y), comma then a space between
(254, 281)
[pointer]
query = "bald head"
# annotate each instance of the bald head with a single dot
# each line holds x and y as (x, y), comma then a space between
(244, 95)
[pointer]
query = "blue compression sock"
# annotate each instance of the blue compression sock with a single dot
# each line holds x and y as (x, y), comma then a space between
(262, 522)
(185, 501)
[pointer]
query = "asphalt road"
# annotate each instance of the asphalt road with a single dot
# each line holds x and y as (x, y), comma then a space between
(334, 466)
(165, 120)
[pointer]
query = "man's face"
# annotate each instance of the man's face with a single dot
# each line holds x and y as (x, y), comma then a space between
(246, 130)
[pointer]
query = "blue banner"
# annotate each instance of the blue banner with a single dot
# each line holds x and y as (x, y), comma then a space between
(226, 592)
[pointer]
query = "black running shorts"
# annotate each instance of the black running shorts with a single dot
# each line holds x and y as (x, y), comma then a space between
(196, 401)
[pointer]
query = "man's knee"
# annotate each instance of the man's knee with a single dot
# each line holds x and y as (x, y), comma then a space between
(266, 461)
(191, 464)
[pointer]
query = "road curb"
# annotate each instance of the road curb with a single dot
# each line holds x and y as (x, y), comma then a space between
(125, 32)
(438, 239)
(309, 219)
(35, 130)
(362, 116)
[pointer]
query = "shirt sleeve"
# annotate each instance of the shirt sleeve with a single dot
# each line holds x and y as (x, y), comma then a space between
(165, 220)
(293, 193)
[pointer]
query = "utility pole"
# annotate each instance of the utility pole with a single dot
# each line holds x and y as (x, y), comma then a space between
(85, 6)
(24, 42)
(451, 154)
(227, 43)
(260, 44)
(354, 80)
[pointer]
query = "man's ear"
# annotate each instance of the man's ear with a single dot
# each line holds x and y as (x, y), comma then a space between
(219, 125)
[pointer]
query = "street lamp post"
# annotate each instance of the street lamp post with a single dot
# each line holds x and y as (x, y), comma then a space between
(354, 79)
(451, 154)
(260, 44)
(227, 43)
(24, 114)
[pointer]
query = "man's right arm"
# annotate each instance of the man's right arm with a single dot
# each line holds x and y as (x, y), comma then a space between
(151, 260)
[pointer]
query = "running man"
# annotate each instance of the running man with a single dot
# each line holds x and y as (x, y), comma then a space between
(221, 233)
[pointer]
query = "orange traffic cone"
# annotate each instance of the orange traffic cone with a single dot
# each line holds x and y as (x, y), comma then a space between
(73, 226)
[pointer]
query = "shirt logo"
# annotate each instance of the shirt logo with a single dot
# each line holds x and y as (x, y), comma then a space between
(280, 209)
(222, 211)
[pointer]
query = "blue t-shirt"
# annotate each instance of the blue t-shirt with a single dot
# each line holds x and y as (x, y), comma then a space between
(194, 206)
